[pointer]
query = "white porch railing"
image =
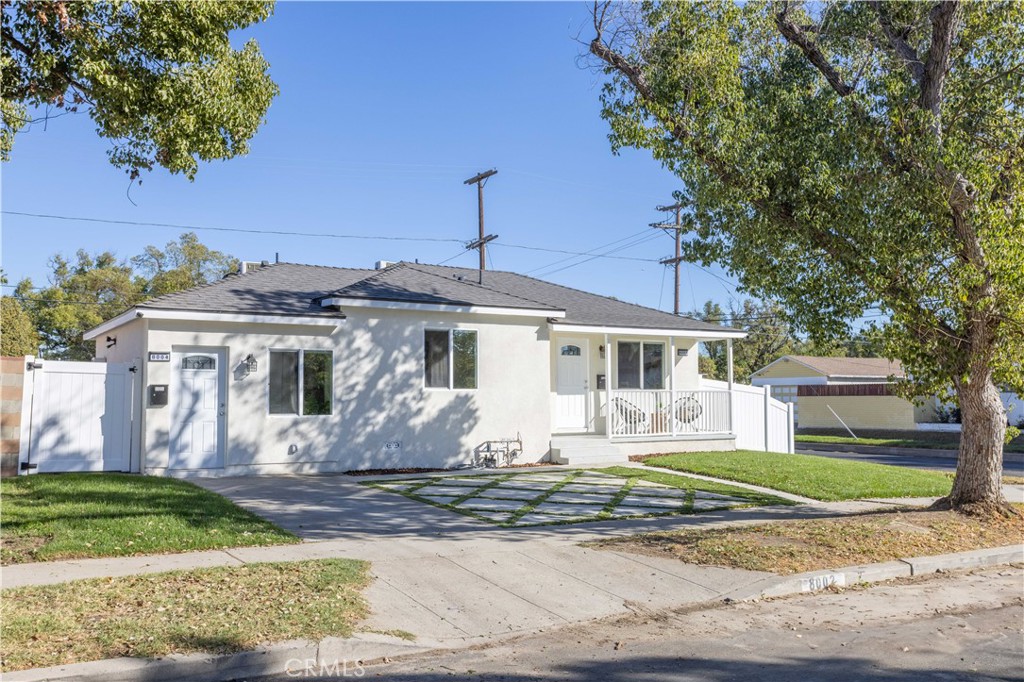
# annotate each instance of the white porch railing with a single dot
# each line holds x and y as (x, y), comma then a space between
(669, 413)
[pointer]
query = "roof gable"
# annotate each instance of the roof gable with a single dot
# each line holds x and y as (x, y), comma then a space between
(873, 368)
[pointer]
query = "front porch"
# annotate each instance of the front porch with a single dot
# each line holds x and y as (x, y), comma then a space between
(599, 450)
(622, 392)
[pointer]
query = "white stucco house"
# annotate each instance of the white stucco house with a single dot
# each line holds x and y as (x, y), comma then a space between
(302, 368)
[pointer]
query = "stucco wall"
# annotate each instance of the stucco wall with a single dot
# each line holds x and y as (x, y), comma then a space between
(874, 412)
(379, 395)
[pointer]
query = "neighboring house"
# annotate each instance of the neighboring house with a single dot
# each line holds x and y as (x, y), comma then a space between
(857, 389)
(301, 368)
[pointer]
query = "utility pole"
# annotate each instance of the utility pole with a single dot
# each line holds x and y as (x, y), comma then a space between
(480, 179)
(678, 228)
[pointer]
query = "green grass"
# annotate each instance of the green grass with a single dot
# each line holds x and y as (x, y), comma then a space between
(68, 516)
(217, 610)
(695, 484)
(897, 439)
(820, 478)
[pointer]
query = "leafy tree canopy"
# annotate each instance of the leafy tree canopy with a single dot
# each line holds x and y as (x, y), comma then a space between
(850, 156)
(160, 79)
(90, 289)
(17, 335)
(768, 337)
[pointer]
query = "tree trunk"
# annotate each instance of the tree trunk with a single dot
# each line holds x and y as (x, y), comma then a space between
(979, 469)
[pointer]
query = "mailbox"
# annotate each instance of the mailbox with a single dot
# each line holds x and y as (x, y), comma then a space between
(157, 395)
(601, 382)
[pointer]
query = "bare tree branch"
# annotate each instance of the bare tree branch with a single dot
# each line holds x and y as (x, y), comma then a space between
(796, 35)
(897, 42)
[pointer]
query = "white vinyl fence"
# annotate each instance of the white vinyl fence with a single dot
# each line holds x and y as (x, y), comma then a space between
(76, 416)
(760, 421)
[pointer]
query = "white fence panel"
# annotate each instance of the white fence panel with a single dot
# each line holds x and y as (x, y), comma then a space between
(80, 417)
(760, 422)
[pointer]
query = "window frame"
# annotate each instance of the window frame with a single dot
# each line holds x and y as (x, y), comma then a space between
(450, 331)
(665, 362)
(301, 380)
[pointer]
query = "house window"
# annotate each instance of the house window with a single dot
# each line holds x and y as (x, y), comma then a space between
(450, 358)
(641, 365)
(301, 382)
(198, 362)
(571, 350)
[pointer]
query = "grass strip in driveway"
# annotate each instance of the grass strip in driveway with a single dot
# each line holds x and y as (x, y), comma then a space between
(821, 478)
(217, 610)
(70, 516)
(787, 547)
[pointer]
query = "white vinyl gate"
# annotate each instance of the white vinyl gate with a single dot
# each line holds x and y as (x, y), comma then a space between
(77, 416)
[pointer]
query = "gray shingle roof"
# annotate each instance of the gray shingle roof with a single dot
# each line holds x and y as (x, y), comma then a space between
(851, 367)
(292, 289)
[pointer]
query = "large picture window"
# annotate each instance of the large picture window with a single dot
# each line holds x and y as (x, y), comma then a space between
(641, 364)
(450, 358)
(301, 382)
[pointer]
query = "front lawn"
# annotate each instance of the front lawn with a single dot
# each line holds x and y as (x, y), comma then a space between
(217, 610)
(68, 516)
(820, 478)
(809, 545)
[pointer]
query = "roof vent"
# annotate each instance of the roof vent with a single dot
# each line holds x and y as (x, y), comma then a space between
(250, 265)
(381, 264)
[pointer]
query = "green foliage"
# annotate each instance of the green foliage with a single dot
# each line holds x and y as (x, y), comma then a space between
(160, 79)
(94, 288)
(832, 174)
(17, 335)
(768, 337)
(181, 265)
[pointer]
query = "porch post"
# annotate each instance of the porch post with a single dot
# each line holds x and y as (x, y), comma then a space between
(728, 355)
(607, 388)
(672, 382)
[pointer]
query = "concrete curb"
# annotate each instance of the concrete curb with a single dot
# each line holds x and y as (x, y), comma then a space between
(331, 656)
(815, 581)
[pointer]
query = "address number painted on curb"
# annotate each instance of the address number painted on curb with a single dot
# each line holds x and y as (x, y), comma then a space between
(820, 582)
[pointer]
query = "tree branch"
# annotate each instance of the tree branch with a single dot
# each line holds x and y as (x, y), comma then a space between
(903, 50)
(944, 19)
(796, 35)
(13, 41)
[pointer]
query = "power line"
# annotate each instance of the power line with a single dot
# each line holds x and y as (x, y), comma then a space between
(288, 233)
(629, 245)
(574, 254)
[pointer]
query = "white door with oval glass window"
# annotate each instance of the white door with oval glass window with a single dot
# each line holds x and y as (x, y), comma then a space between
(199, 408)
(571, 399)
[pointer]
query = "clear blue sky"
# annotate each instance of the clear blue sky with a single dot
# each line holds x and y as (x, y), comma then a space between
(385, 108)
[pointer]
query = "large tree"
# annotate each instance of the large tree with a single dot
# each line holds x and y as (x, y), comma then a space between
(182, 264)
(844, 157)
(768, 337)
(160, 79)
(17, 335)
(89, 289)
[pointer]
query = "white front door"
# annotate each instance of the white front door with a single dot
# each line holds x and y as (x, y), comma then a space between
(197, 425)
(571, 385)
